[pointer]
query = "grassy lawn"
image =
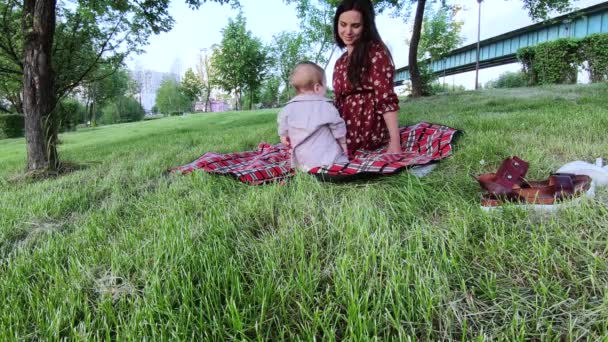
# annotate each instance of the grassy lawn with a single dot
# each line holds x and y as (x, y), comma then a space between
(119, 251)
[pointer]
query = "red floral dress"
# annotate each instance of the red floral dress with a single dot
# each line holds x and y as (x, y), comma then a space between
(362, 107)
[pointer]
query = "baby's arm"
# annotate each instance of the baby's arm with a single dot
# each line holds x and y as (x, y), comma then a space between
(283, 128)
(285, 141)
(338, 128)
(342, 142)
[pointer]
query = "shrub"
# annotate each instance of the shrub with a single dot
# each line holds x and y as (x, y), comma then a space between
(11, 125)
(109, 114)
(130, 110)
(594, 50)
(551, 62)
(509, 79)
(122, 109)
(69, 113)
(526, 57)
(438, 87)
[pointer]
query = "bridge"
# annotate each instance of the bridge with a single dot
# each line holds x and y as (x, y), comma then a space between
(502, 49)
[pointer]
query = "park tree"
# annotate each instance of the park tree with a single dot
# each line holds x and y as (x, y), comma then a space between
(170, 98)
(269, 93)
(440, 32)
(239, 61)
(205, 73)
(316, 23)
(103, 85)
(191, 86)
(50, 47)
(121, 109)
(440, 35)
(258, 63)
(288, 49)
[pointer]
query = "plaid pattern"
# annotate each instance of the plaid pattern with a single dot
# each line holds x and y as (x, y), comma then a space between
(422, 144)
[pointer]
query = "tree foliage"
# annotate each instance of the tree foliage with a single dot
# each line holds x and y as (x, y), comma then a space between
(558, 61)
(269, 93)
(122, 109)
(316, 25)
(191, 86)
(102, 86)
(205, 73)
(441, 32)
(595, 53)
(240, 60)
(170, 98)
(70, 40)
(288, 49)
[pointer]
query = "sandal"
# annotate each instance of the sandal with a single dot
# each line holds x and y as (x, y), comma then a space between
(510, 174)
(549, 193)
(508, 185)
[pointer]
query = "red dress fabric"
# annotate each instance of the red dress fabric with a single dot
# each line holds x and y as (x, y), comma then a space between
(362, 107)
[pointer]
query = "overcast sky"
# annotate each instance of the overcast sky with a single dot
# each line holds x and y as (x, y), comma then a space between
(198, 29)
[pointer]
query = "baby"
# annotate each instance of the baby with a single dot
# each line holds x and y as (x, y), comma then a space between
(310, 124)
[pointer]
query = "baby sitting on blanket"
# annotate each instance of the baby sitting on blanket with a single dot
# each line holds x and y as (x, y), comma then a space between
(310, 124)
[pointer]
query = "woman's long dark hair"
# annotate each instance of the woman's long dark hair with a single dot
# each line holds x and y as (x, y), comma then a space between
(359, 58)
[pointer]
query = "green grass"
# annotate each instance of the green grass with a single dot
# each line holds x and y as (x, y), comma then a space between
(120, 251)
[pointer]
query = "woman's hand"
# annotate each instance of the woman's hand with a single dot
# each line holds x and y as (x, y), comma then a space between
(394, 147)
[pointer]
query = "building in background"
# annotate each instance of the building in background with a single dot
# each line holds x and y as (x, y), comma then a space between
(150, 81)
(217, 105)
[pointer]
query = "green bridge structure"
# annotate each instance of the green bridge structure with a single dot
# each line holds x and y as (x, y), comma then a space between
(502, 49)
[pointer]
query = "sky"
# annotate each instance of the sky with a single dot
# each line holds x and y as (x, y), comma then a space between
(195, 30)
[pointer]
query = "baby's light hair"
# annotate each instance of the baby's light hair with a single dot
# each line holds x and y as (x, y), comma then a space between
(305, 75)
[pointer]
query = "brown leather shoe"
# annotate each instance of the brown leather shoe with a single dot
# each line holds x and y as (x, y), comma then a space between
(510, 174)
(556, 188)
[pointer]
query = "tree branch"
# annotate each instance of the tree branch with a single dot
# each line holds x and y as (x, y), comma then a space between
(74, 84)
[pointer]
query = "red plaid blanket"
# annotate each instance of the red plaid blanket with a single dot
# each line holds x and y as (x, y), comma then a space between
(422, 144)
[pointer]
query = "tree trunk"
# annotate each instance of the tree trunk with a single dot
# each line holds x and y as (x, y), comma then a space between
(38, 96)
(250, 100)
(417, 85)
(207, 104)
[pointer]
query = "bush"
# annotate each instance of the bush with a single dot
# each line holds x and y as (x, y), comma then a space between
(526, 57)
(551, 62)
(594, 50)
(11, 125)
(428, 78)
(557, 61)
(509, 79)
(438, 87)
(122, 109)
(130, 110)
(69, 113)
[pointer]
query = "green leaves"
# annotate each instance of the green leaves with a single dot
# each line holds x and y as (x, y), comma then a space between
(440, 32)
(170, 98)
(240, 61)
(316, 23)
(552, 62)
(288, 49)
(191, 85)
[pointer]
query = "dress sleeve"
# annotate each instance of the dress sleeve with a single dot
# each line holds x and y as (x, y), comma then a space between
(382, 75)
(282, 123)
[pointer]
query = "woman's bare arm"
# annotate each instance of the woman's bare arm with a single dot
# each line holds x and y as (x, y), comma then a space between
(392, 123)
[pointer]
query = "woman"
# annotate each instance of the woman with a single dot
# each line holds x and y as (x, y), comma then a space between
(363, 80)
